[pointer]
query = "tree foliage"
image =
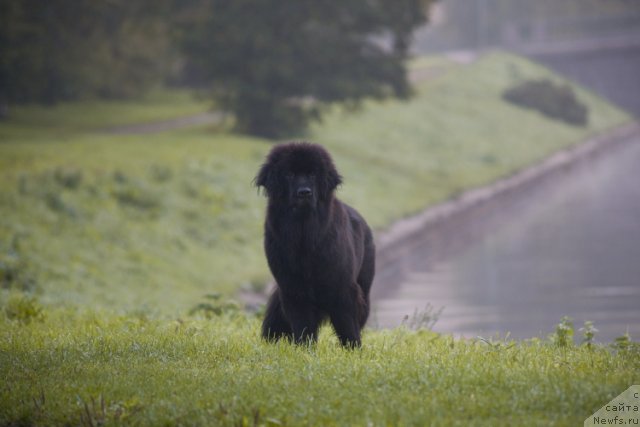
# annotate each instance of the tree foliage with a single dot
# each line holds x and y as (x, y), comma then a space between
(53, 50)
(275, 63)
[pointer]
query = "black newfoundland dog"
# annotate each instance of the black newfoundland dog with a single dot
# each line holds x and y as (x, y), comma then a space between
(320, 250)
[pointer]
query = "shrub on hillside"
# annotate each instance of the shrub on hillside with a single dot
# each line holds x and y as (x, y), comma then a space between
(23, 308)
(556, 101)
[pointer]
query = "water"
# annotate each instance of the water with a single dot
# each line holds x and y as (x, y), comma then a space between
(569, 246)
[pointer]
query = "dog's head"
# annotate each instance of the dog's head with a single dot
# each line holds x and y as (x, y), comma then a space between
(298, 175)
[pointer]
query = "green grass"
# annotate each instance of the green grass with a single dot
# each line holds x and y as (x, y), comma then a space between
(155, 222)
(97, 368)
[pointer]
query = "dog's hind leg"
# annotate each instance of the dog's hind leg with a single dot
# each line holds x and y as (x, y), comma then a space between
(365, 278)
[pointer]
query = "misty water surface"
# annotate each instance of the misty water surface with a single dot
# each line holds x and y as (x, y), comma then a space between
(570, 246)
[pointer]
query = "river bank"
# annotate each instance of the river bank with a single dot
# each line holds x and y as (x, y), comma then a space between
(404, 234)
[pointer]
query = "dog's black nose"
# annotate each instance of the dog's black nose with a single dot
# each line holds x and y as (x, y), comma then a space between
(303, 192)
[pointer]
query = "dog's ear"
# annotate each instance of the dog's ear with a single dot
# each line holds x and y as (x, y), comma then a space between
(263, 177)
(333, 178)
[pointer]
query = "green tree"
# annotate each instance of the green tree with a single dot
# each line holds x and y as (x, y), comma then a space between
(54, 50)
(276, 63)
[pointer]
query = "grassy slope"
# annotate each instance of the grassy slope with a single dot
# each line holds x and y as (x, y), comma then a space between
(457, 133)
(154, 222)
(217, 372)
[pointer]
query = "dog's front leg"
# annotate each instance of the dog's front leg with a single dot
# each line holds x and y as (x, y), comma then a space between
(304, 319)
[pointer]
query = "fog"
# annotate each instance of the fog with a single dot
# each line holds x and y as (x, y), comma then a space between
(596, 43)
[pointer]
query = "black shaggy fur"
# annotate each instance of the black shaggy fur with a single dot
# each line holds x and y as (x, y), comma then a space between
(319, 249)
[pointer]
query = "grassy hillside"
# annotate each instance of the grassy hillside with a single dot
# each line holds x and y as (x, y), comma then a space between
(455, 134)
(97, 368)
(154, 222)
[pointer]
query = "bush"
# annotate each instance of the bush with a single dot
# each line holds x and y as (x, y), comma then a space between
(23, 309)
(555, 101)
(14, 273)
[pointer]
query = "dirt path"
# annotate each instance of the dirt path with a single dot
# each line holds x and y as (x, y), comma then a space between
(212, 117)
(419, 75)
